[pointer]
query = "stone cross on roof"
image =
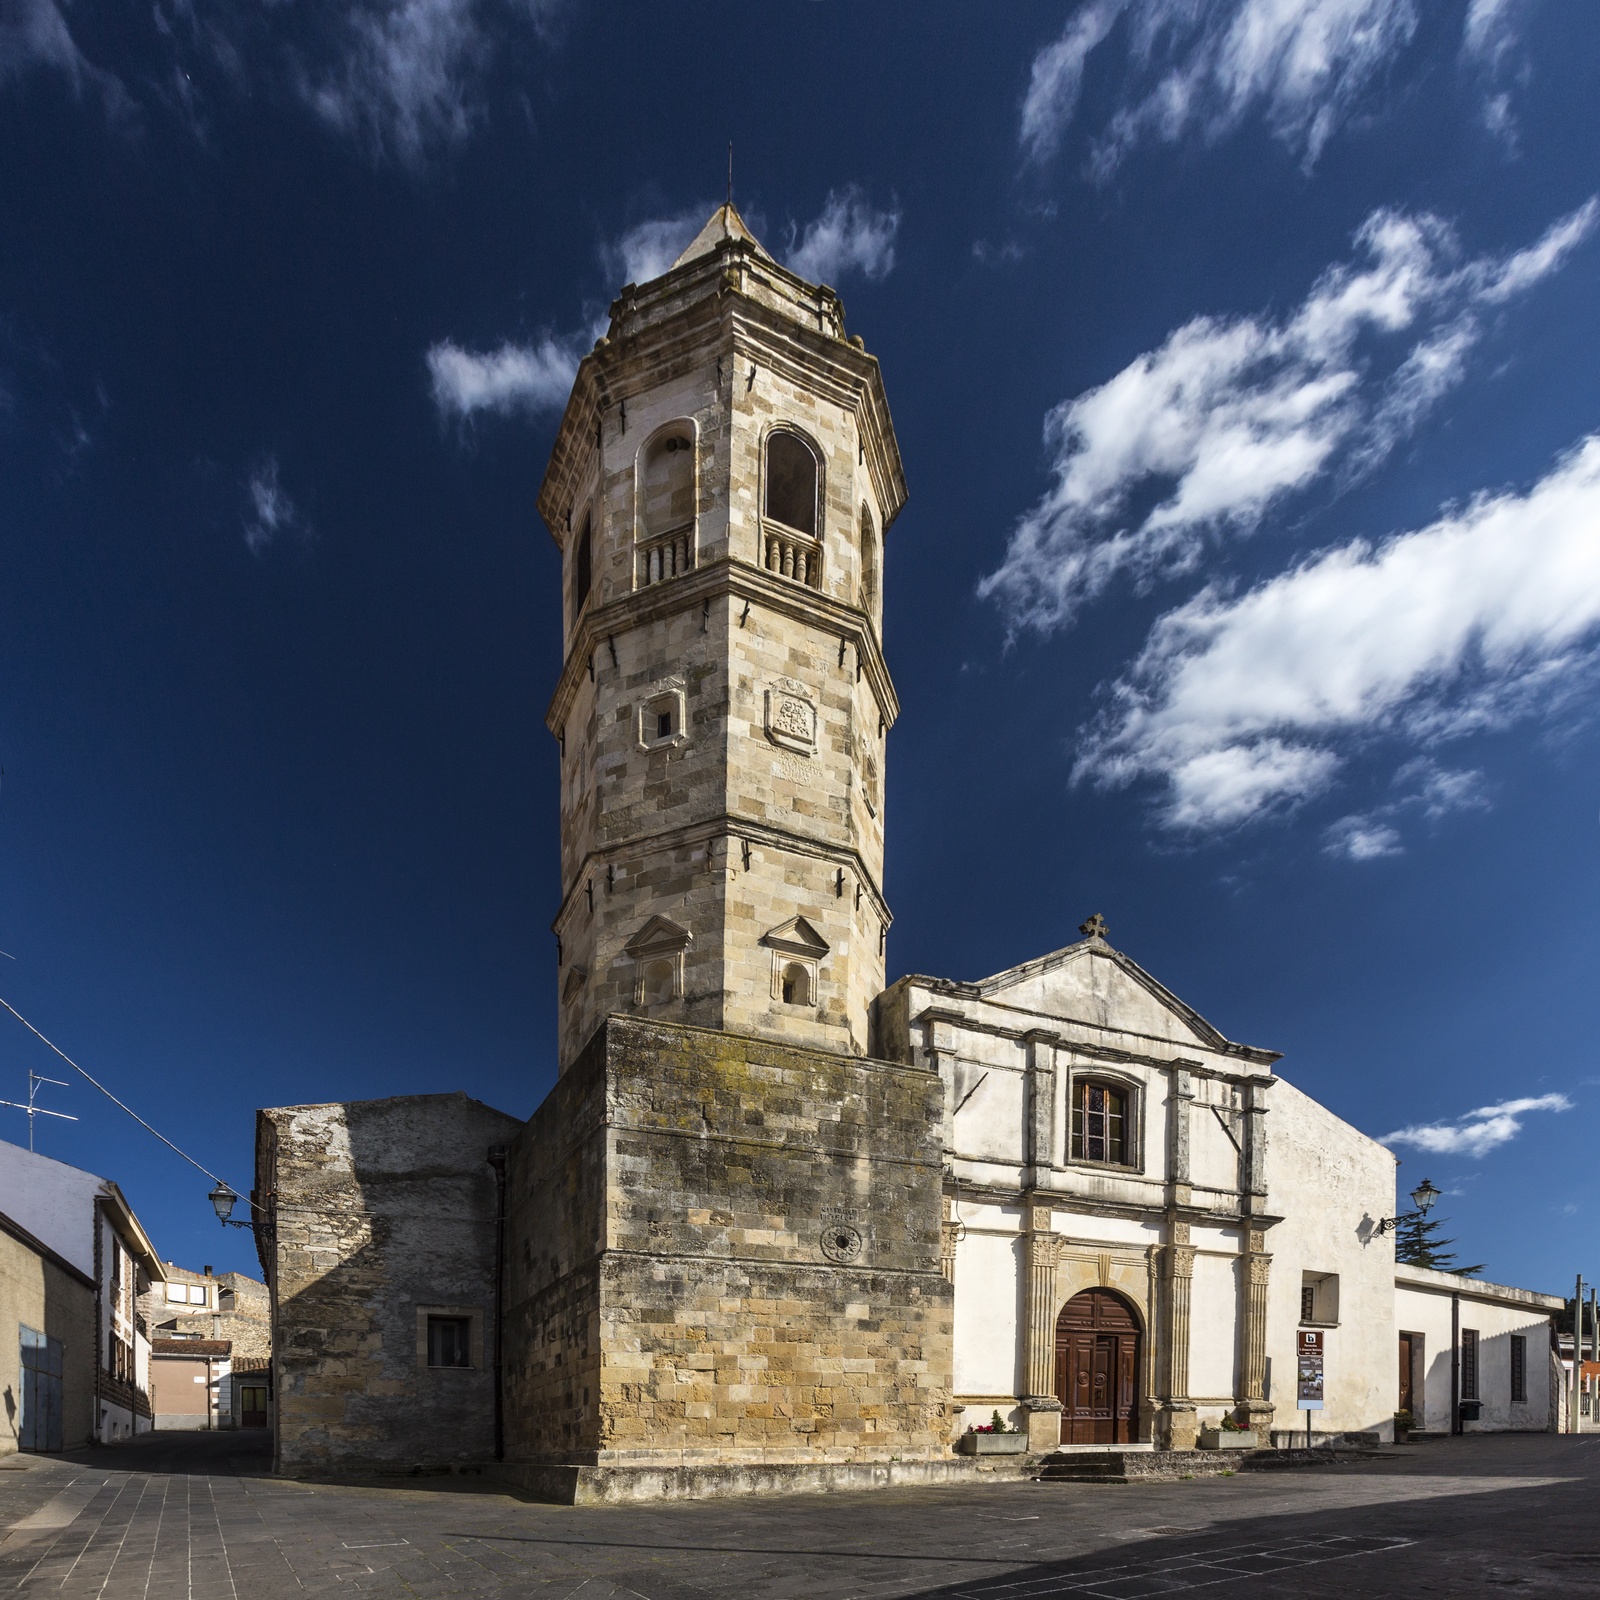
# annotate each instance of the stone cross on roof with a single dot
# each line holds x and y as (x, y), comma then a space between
(1094, 928)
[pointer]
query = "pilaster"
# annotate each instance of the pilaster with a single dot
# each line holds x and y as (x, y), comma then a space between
(1042, 1252)
(1181, 1099)
(950, 1232)
(1179, 1408)
(1041, 1152)
(1253, 1384)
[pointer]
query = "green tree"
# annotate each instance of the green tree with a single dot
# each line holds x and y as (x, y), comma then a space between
(1416, 1244)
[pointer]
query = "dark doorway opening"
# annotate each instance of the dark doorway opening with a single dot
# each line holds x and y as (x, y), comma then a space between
(1097, 1369)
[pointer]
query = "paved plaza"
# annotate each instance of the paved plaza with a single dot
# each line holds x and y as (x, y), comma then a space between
(199, 1515)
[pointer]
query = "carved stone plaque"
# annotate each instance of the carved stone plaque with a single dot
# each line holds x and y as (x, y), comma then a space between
(792, 716)
(841, 1242)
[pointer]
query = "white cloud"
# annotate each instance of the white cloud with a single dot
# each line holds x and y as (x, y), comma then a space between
(1238, 704)
(1204, 67)
(649, 248)
(851, 235)
(409, 73)
(1491, 28)
(531, 378)
(1057, 76)
(1361, 839)
(34, 33)
(1231, 415)
(1422, 786)
(270, 513)
(1478, 1132)
(407, 77)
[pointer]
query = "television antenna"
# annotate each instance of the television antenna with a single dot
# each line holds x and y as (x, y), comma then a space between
(34, 1080)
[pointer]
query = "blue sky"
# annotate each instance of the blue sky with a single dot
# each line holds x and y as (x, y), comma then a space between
(1245, 361)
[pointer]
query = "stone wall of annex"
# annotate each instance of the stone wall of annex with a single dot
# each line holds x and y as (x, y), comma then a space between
(766, 1282)
(384, 1211)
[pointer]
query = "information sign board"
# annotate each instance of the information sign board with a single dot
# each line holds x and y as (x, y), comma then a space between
(1309, 1369)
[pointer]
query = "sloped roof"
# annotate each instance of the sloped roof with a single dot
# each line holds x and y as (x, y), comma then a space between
(1030, 975)
(725, 224)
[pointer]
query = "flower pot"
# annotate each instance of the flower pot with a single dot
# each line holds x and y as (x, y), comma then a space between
(992, 1444)
(1223, 1439)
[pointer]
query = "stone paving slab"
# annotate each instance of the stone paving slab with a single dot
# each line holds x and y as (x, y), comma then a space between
(196, 1518)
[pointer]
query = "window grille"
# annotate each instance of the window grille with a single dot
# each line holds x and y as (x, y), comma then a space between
(1469, 1363)
(1519, 1367)
(1099, 1123)
(1308, 1302)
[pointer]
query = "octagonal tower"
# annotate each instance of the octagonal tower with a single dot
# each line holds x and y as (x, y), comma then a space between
(720, 486)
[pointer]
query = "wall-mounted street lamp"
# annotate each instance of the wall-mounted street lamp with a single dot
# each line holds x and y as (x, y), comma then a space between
(223, 1200)
(1422, 1197)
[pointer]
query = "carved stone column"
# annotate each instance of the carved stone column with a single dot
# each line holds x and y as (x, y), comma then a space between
(939, 1049)
(1253, 1385)
(1181, 1428)
(950, 1232)
(1042, 1250)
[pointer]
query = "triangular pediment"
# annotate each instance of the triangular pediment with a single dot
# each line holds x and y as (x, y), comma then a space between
(656, 937)
(725, 224)
(1091, 982)
(796, 937)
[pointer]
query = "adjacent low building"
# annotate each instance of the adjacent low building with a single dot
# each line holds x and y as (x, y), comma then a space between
(87, 1221)
(47, 1367)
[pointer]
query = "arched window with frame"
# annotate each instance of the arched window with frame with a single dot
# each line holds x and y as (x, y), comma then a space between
(792, 483)
(1101, 1128)
(796, 985)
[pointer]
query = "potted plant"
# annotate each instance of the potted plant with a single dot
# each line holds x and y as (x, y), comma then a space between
(993, 1438)
(1231, 1434)
(1404, 1422)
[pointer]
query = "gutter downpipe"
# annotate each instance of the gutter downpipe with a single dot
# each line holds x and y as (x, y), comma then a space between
(1455, 1363)
(497, 1160)
(1573, 1424)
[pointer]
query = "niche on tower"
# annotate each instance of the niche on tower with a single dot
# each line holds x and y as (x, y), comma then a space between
(664, 493)
(797, 953)
(657, 954)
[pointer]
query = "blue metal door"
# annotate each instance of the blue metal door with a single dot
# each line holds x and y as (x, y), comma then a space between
(41, 1391)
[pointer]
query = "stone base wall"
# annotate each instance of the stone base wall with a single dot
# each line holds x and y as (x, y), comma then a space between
(764, 1227)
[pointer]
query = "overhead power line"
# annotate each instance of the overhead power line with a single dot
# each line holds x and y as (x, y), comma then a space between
(119, 1104)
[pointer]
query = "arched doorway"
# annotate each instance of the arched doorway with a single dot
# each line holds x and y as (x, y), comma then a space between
(1097, 1369)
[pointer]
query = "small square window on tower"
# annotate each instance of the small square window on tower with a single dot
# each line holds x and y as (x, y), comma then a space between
(661, 719)
(797, 952)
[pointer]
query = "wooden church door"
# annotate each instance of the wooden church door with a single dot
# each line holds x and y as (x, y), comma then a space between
(1097, 1369)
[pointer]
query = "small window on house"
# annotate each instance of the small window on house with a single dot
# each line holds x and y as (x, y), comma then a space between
(177, 1294)
(1519, 1367)
(449, 1341)
(792, 483)
(1099, 1123)
(225, 1299)
(582, 568)
(1469, 1363)
(197, 1294)
(661, 720)
(796, 985)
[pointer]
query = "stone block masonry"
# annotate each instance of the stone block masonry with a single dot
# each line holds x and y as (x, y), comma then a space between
(384, 1214)
(725, 1250)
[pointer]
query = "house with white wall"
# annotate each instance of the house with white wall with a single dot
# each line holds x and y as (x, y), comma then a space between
(87, 1221)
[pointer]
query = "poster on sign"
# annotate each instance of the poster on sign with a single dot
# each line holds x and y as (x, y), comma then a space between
(1309, 1369)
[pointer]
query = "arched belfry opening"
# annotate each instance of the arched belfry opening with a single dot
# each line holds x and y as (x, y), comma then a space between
(1097, 1369)
(666, 505)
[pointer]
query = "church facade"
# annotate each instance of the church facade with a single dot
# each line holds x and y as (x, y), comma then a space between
(773, 1216)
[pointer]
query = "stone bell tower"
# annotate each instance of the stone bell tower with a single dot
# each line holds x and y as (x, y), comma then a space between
(720, 487)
